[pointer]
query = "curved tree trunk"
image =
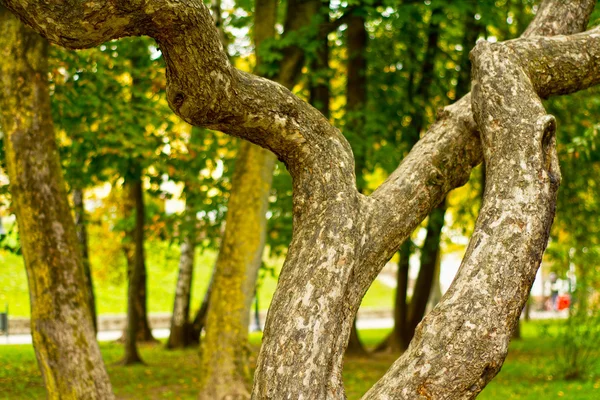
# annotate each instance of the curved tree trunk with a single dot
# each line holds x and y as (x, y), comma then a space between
(82, 237)
(61, 323)
(342, 239)
(180, 333)
(224, 349)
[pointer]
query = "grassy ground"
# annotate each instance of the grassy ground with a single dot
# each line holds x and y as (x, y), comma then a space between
(528, 374)
(162, 264)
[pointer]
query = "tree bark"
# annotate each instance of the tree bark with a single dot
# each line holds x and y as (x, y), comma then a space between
(180, 333)
(225, 369)
(82, 238)
(61, 323)
(225, 347)
(342, 239)
(133, 205)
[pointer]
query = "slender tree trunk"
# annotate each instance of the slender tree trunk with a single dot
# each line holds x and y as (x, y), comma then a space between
(82, 237)
(430, 252)
(225, 347)
(61, 323)
(356, 101)
(180, 333)
(135, 255)
(319, 93)
(396, 342)
(200, 319)
(136, 293)
(436, 290)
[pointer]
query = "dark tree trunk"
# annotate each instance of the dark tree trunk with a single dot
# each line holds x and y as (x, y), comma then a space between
(82, 238)
(356, 101)
(200, 319)
(399, 339)
(430, 253)
(395, 341)
(135, 255)
(137, 327)
(180, 333)
(61, 323)
(319, 95)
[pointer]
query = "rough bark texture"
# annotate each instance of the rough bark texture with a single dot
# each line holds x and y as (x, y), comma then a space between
(82, 238)
(342, 239)
(61, 323)
(225, 346)
(180, 333)
(225, 368)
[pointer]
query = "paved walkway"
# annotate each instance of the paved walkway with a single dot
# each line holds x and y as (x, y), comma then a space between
(364, 323)
(108, 336)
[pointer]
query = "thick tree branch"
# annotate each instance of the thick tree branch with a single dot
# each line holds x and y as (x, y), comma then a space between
(341, 239)
(462, 344)
(444, 157)
(203, 88)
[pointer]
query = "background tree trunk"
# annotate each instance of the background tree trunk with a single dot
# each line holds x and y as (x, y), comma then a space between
(82, 237)
(430, 253)
(224, 349)
(180, 333)
(61, 323)
(136, 293)
(135, 255)
(356, 102)
(200, 319)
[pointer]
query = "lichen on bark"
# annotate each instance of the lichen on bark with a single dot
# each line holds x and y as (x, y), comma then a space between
(61, 322)
(341, 238)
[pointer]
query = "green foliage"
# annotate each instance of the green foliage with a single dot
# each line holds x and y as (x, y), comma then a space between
(577, 355)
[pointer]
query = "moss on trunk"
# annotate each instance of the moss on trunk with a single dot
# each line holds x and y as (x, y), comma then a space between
(61, 323)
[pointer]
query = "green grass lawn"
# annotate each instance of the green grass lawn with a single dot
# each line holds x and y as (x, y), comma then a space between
(528, 373)
(162, 265)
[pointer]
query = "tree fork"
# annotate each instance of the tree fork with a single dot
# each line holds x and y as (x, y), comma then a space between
(330, 263)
